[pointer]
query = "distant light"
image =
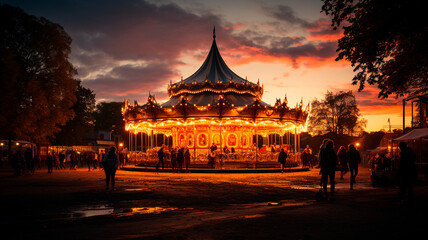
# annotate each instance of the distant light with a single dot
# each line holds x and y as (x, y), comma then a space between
(1, 144)
(389, 147)
(120, 144)
(358, 144)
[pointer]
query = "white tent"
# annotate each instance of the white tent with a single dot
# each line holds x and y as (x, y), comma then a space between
(414, 134)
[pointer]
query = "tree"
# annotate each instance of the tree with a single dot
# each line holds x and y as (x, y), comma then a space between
(385, 41)
(336, 113)
(37, 85)
(82, 125)
(108, 116)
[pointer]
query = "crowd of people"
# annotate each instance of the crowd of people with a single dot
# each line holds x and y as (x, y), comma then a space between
(346, 159)
(25, 162)
(177, 157)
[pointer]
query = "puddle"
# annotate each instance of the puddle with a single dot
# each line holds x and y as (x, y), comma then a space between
(291, 203)
(92, 211)
(133, 189)
(144, 210)
(305, 187)
(104, 210)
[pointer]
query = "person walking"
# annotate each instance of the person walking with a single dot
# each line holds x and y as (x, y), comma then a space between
(343, 161)
(121, 160)
(62, 160)
(15, 161)
(173, 159)
(328, 167)
(187, 159)
(88, 158)
(73, 160)
(282, 158)
(160, 157)
(322, 146)
(180, 159)
(110, 165)
(407, 172)
(304, 158)
(29, 162)
(49, 160)
(354, 159)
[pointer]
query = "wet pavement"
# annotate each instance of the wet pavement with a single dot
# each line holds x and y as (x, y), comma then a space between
(75, 205)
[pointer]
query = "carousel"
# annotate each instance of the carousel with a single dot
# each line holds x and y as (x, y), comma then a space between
(214, 109)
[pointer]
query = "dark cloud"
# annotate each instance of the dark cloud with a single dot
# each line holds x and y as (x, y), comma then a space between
(286, 14)
(125, 48)
(128, 80)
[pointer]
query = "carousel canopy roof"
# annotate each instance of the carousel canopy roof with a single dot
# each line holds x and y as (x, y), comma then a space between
(214, 75)
(214, 69)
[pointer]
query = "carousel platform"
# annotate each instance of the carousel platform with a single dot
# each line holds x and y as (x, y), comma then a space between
(218, 170)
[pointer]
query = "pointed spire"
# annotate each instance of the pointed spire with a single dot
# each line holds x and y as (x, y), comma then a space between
(214, 33)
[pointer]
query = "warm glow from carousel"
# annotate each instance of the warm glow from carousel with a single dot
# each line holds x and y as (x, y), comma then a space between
(214, 106)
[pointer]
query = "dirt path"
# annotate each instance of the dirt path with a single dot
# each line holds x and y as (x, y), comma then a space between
(74, 205)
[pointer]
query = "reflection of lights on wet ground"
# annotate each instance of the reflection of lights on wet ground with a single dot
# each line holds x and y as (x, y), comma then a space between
(133, 189)
(101, 210)
(144, 210)
(92, 211)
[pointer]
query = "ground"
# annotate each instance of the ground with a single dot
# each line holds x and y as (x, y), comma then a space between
(73, 204)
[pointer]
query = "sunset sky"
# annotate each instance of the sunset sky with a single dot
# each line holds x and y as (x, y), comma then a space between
(124, 49)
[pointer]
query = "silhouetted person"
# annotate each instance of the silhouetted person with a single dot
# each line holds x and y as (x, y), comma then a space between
(160, 157)
(282, 158)
(29, 161)
(61, 157)
(15, 161)
(211, 159)
(187, 159)
(110, 165)
(180, 159)
(322, 146)
(343, 161)
(121, 160)
(213, 147)
(49, 160)
(73, 160)
(89, 160)
(328, 166)
(407, 172)
(354, 159)
(173, 159)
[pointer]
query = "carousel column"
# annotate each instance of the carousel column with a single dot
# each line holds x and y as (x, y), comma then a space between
(257, 148)
(152, 139)
(194, 142)
(129, 141)
(295, 140)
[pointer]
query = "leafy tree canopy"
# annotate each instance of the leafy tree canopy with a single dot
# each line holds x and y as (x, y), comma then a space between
(37, 80)
(336, 113)
(108, 116)
(385, 41)
(77, 130)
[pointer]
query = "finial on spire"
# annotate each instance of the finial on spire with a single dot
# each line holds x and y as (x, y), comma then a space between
(214, 32)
